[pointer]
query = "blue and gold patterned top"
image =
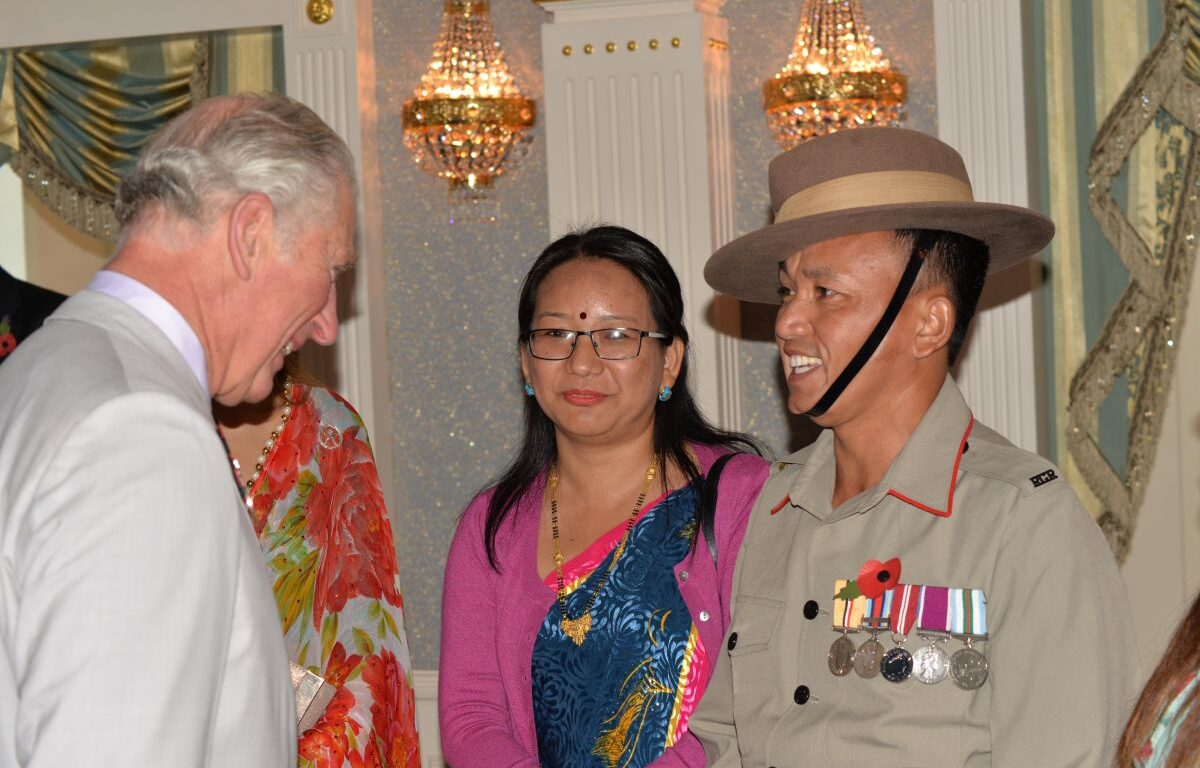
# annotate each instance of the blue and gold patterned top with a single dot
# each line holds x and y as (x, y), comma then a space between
(624, 695)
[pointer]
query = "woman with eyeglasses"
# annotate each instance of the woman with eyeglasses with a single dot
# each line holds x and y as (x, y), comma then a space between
(587, 592)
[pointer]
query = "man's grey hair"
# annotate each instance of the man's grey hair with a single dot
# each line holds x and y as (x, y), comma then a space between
(236, 145)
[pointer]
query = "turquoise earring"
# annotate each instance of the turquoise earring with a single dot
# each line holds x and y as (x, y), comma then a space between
(528, 389)
(664, 394)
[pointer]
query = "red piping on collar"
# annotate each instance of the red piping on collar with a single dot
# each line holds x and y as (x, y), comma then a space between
(953, 480)
(781, 504)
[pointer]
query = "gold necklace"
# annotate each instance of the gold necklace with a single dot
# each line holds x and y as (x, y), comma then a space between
(577, 628)
(274, 438)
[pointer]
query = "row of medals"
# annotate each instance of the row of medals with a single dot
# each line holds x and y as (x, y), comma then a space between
(930, 664)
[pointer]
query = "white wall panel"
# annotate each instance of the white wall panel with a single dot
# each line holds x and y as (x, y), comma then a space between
(12, 223)
(982, 114)
(425, 689)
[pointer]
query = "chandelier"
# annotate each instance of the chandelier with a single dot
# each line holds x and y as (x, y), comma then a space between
(468, 115)
(835, 77)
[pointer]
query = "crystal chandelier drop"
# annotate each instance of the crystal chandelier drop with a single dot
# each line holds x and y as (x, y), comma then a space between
(468, 115)
(836, 77)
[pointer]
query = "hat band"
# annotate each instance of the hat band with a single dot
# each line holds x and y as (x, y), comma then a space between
(864, 190)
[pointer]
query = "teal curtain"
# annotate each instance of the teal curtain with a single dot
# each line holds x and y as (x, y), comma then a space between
(82, 112)
(90, 108)
(73, 118)
(246, 60)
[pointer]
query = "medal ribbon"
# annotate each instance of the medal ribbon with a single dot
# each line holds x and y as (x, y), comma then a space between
(877, 610)
(904, 608)
(847, 614)
(968, 612)
(933, 609)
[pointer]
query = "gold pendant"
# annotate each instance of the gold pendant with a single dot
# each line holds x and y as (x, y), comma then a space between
(577, 629)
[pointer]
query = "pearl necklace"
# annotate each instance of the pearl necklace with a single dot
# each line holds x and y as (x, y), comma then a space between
(270, 444)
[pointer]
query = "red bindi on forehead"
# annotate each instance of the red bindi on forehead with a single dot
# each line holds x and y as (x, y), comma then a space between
(583, 315)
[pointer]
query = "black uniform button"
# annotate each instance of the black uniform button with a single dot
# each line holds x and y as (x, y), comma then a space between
(732, 641)
(811, 609)
(801, 695)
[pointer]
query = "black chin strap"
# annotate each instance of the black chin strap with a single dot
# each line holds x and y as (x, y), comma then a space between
(873, 341)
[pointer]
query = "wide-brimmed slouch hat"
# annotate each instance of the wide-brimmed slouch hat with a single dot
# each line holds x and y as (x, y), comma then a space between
(867, 180)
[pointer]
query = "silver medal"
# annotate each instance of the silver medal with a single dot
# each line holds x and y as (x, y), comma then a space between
(968, 668)
(931, 664)
(868, 657)
(841, 656)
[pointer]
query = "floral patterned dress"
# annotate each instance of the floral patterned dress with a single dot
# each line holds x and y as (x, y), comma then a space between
(319, 512)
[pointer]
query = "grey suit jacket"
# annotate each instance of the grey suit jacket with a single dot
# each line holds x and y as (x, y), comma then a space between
(136, 618)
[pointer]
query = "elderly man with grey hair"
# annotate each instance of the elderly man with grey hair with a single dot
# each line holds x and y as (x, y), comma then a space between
(137, 623)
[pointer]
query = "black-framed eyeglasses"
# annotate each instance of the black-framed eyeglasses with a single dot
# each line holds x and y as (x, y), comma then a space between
(609, 343)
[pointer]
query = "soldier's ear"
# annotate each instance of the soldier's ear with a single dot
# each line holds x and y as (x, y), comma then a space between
(935, 323)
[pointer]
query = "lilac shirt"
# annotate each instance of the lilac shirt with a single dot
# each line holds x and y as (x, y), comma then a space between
(490, 620)
(159, 311)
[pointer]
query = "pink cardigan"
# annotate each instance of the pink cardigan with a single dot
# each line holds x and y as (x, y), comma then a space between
(490, 620)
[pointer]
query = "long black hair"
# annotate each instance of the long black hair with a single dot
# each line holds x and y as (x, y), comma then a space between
(677, 421)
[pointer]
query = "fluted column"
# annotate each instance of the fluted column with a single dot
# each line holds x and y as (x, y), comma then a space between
(981, 105)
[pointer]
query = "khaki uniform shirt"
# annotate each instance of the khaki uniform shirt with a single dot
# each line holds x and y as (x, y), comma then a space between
(961, 507)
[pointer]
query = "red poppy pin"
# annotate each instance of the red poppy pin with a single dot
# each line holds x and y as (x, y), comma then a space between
(8, 342)
(874, 578)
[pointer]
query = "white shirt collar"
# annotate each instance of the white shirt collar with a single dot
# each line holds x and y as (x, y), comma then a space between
(158, 311)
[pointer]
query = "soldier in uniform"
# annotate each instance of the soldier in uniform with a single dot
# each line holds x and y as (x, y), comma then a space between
(913, 589)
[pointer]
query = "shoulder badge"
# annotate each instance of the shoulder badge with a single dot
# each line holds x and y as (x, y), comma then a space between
(1042, 478)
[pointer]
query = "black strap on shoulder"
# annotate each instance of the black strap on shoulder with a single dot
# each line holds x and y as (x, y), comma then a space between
(707, 511)
(873, 341)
